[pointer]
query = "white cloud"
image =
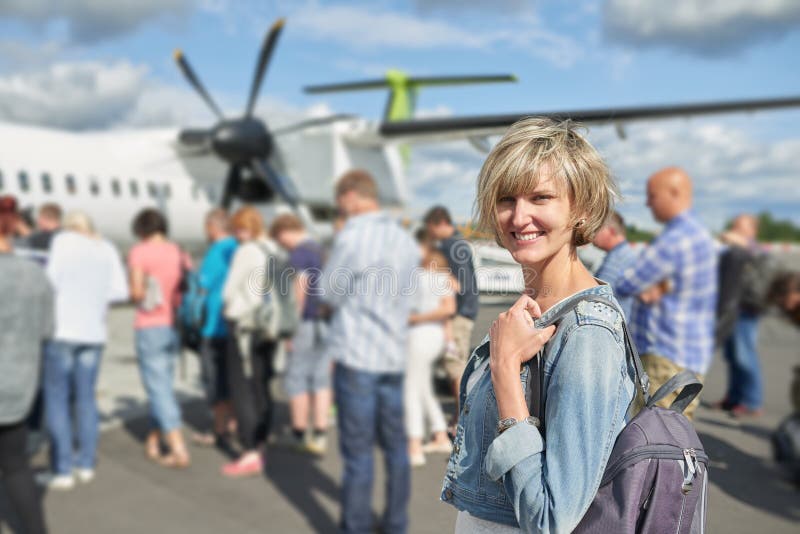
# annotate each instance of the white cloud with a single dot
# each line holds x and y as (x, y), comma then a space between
(734, 168)
(367, 28)
(704, 27)
(437, 112)
(92, 95)
(447, 6)
(444, 173)
(86, 95)
(19, 55)
(93, 20)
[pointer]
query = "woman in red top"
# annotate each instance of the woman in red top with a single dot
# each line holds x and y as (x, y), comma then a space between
(156, 266)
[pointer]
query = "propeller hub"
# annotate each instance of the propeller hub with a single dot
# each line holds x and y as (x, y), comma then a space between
(241, 140)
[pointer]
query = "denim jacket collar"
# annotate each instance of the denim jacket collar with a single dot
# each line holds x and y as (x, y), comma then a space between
(603, 290)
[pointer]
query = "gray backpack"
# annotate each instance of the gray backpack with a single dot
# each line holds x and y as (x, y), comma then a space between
(656, 478)
(276, 316)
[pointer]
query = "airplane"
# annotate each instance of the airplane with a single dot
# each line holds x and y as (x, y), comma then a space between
(113, 174)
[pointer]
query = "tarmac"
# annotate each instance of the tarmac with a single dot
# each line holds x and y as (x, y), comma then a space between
(748, 492)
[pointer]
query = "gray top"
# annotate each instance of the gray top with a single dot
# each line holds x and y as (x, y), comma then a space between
(26, 320)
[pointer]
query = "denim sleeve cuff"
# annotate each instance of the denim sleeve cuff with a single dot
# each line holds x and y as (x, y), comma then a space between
(510, 448)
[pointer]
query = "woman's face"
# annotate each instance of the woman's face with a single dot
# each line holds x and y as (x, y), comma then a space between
(536, 226)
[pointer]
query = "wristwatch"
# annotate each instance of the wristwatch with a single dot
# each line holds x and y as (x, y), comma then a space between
(508, 422)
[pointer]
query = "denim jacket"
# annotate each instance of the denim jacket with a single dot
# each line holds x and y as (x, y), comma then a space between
(546, 485)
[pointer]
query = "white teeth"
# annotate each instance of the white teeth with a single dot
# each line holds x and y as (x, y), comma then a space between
(527, 237)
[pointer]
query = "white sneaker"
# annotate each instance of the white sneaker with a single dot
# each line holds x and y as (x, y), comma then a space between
(416, 460)
(84, 476)
(317, 445)
(437, 448)
(55, 482)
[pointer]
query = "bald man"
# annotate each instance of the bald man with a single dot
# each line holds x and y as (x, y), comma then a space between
(673, 329)
(743, 283)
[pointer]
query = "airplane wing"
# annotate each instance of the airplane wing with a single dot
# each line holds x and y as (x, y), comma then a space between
(481, 126)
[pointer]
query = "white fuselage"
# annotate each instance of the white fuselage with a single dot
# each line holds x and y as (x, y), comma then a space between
(112, 175)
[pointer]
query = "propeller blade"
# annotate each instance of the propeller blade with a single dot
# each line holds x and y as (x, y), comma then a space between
(231, 186)
(195, 137)
(280, 184)
(310, 123)
(194, 81)
(284, 187)
(263, 60)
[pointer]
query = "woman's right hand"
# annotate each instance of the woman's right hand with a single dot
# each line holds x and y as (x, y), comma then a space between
(513, 338)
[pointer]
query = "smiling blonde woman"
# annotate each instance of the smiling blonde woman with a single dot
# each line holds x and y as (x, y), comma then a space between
(543, 191)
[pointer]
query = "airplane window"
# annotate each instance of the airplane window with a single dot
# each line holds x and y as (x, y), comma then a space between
(47, 184)
(152, 190)
(134, 188)
(166, 191)
(94, 187)
(72, 187)
(23, 181)
(115, 188)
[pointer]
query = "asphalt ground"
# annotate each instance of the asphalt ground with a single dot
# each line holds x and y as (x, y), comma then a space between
(748, 492)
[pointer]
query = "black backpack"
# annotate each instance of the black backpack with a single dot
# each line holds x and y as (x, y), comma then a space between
(757, 274)
(656, 478)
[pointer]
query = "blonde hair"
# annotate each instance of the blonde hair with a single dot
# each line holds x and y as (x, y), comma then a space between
(250, 219)
(537, 145)
(80, 222)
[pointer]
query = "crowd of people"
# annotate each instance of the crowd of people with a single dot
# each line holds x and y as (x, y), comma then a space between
(373, 314)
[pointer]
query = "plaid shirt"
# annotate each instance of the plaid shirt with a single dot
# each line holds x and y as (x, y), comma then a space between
(680, 326)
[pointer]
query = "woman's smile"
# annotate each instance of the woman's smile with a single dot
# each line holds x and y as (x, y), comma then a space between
(527, 238)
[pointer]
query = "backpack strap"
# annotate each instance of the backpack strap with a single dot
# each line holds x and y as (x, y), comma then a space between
(691, 388)
(269, 265)
(536, 364)
(630, 349)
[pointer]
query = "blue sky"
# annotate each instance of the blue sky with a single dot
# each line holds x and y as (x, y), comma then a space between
(81, 65)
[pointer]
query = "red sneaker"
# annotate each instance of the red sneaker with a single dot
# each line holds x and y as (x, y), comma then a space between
(246, 466)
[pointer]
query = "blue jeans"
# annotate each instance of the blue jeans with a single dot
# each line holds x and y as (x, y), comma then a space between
(70, 373)
(370, 409)
(741, 353)
(156, 351)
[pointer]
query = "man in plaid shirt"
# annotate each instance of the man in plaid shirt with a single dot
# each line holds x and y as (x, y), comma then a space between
(675, 279)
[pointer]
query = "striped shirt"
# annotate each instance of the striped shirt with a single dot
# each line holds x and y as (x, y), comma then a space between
(618, 259)
(368, 283)
(680, 326)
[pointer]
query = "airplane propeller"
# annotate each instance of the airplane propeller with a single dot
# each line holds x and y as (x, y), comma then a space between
(246, 142)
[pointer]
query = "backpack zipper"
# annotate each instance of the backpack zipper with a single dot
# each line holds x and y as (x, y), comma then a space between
(665, 452)
(690, 457)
